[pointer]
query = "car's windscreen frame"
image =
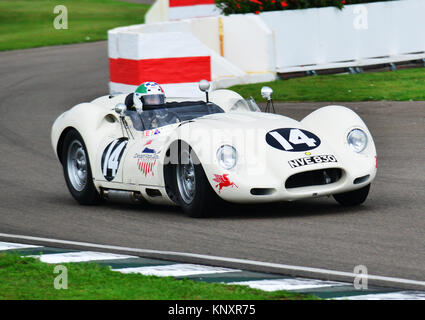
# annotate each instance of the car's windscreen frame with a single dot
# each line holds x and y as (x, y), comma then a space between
(171, 113)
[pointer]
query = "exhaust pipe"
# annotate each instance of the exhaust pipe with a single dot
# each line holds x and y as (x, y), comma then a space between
(122, 195)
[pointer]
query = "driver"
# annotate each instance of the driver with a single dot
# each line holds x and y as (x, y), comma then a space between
(149, 96)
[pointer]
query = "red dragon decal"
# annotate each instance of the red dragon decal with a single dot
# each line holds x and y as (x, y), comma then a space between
(223, 181)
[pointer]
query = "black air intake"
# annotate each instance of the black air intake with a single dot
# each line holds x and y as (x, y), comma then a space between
(313, 178)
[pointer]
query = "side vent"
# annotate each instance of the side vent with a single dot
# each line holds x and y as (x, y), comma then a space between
(153, 193)
(110, 118)
(361, 179)
(262, 191)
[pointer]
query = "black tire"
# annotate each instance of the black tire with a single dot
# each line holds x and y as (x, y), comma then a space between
(353, 198)
(204, 200)
(88, 194)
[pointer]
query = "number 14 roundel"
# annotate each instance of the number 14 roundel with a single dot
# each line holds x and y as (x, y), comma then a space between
(292, 139)
(111, 158)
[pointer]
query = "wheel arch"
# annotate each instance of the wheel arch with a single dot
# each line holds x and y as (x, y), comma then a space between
(169, 163)
(59, 146)
(205, 197)
(168, 168)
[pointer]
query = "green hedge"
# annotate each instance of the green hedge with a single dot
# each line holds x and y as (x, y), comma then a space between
(257, 6)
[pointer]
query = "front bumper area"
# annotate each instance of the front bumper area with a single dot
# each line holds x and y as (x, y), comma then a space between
(315, 182)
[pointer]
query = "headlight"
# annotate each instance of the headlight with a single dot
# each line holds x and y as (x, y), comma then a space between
(227, 157)
(357, 140)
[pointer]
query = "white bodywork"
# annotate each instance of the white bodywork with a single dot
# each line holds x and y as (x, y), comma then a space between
(260, 166)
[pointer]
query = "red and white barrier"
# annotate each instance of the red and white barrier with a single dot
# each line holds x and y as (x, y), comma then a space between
(184, 9)
(166, 10)
(181, 53)
(178, 61)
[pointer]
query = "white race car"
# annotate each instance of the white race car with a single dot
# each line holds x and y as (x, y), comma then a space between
(193, 152)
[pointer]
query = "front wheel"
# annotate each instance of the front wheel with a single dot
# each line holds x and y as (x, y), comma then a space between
(194, 192)
(353, 198)
(77, 170)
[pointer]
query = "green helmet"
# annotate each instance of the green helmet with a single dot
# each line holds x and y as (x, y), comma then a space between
(148, 94)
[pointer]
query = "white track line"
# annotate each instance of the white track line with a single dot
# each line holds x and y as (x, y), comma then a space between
(13, 246)
(288, 284)
(80, 256)
(176, 270)
(401, 295)
(222, 259)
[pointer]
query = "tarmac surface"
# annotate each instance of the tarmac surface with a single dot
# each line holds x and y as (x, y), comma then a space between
(386, 234)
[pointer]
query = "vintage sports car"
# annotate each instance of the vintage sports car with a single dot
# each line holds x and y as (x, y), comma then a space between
(193, 153)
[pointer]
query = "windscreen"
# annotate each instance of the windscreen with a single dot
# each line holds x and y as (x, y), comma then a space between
(245, 105)
(172, 113)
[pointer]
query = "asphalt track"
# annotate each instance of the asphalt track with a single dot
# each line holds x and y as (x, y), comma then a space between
(387, 234)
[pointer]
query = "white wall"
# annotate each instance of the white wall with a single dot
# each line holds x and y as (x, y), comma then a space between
(157, 12)
(326, 35)
(248, 43)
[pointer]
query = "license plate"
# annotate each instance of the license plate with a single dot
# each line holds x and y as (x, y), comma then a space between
(311, 160)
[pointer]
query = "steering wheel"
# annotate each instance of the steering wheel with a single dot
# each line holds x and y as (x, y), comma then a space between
(172, 115)
(166, 120)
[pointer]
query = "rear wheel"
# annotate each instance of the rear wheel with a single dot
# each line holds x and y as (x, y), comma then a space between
(77, 170)
(193, 191)
(353, 198)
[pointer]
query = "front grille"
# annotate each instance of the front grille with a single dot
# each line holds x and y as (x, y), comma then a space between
(313, 178)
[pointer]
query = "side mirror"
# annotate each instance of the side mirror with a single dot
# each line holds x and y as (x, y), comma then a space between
(266, 93)
(120, 108)
(204, 85)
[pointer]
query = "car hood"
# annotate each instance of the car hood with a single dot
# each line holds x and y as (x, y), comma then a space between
(271, 148)
(261, 137)
(247, 120)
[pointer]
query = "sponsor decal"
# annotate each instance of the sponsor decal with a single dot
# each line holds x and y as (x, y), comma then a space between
(146, 160)
(111, 158)
(223, 181)
(311, 160)
(148, 150)
(292, 139)
(152, 132)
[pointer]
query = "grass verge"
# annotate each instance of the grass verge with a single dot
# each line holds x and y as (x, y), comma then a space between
(28, 278)
(401, 85)
(29, 23)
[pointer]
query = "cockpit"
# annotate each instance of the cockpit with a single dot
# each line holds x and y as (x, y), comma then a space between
(170, 113)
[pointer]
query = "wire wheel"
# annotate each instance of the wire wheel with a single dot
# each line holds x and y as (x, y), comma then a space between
(77, 165)
(186, 180)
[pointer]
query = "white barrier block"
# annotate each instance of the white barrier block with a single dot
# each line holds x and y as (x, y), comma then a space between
(196, 11)
(358, 32)
(157, 12)
(248, 43)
